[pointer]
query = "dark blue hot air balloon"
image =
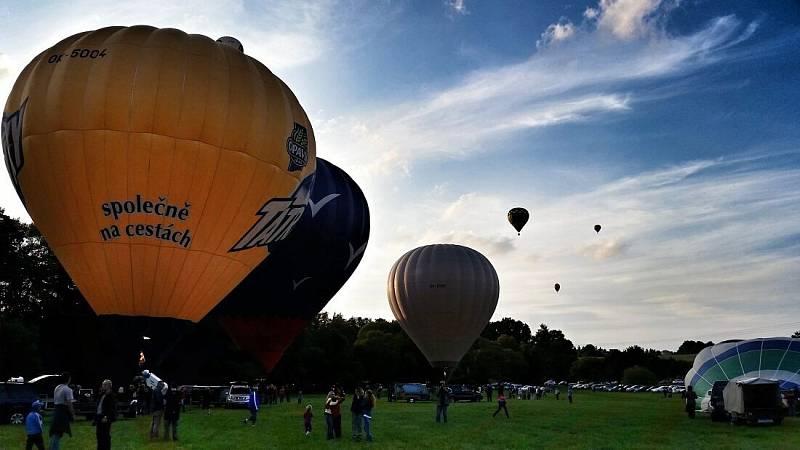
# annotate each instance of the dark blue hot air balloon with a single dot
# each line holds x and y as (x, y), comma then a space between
(273, 304)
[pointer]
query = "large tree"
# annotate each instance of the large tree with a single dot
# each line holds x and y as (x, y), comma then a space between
(519, 330)
(693, 347)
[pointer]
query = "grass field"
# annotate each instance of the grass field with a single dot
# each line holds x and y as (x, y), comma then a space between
(599, 420)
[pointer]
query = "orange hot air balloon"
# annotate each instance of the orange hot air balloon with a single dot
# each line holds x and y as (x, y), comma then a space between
(158, 165)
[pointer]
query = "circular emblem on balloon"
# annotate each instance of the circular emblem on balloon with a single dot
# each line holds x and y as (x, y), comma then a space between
(159, 166)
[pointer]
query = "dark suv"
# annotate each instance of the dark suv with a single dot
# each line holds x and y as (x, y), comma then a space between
(459, 392)
(15, 402)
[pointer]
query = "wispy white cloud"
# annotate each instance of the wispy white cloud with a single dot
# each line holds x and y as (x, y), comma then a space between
(457, 6)
(583, 79)
(625, 19)
(606, 248)
(556, 32)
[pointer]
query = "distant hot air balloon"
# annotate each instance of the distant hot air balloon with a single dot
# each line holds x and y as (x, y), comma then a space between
(273, 304)
(518, 217)
(158, 165)
(557, 287)
(443, 296)
(597, 228)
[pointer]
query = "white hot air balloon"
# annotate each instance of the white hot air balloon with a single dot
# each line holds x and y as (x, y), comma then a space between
(443, 296)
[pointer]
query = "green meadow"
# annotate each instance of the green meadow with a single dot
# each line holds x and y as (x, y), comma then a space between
(594, 420)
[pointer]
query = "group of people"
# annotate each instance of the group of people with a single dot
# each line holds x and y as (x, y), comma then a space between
(167, 404)
(443, 401)
(361, 406)
(64, 413)
(277, 394)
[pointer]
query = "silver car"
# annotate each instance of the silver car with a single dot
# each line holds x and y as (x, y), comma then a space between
(238, 396)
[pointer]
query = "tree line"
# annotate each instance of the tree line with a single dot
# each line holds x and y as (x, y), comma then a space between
(46, 326)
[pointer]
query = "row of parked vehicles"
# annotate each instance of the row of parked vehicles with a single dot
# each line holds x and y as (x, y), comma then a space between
(676, 387)
(414, 392)
(17, 395)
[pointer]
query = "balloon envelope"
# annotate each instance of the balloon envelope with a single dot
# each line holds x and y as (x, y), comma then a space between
(158, 165)
(443, 296)
(557, 287)
(597, 228)
(776, 358)
(518, 217)
(278, 299)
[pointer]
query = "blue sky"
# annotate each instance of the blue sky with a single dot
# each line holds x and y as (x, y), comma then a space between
(672, 123)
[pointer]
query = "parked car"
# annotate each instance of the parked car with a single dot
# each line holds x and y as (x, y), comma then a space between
(238, 396)
(44, 386)
(459, 392)
(15, 402)
(409, 392)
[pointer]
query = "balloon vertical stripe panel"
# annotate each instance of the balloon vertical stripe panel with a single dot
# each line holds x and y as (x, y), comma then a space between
(443, 296)
(145, 156)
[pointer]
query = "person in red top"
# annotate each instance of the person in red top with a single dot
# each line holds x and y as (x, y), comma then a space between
(501, 403)
(307, 416)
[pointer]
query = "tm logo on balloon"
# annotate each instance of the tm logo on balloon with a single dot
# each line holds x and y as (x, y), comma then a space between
(297, 148)
(277, 218)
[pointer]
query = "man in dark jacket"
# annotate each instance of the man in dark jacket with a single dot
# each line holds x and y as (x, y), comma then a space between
(357, 410)
(690, 397)
(172, 412)
(157, 409)
(106, 414)
(252, 405)
(442, 402)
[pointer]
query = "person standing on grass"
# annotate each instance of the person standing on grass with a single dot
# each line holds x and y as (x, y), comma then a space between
(252, 405)
(569, 393)
(489, 393)
(106, 414)
(501, 403)
(558, 392)
(690, 397)
(442, 402)
(33, 427)
(792, 399)
(336, 408)
(172, 413)
(369, 404)
(357, 412)
(157, 409)
(63, 412)
(307, 417)
(300, 397)
(329, 402)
